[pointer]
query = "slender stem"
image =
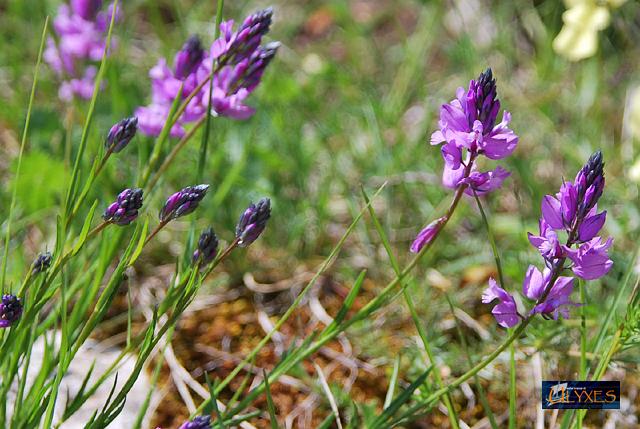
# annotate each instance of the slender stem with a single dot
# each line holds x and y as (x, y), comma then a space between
(174, 152)
(583, 342)
(512, 348)
(155, 231)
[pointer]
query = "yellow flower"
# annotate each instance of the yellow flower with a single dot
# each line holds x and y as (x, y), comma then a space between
(583, 19)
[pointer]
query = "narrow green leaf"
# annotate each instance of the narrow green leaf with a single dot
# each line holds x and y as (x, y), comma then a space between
(271, 407)
(138, 250)
(402, 398)
(392, 383)
(85, 229)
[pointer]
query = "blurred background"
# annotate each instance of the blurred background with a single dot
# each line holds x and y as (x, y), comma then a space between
(351, 99)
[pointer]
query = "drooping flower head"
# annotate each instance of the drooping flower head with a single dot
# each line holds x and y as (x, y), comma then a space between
(253, 222)
(10, 310)
(188, 58)
(183, 202)
(200, 422)
(207, 247)
(125, 209)
(41, 263)
(239, 62)
(121, 134)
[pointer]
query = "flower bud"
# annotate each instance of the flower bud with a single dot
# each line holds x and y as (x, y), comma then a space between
(183, 202)
(125, 209)
(188, 58)
(86, 9)
(42, 263)
(121, 134)
(10, 310)
(252, 222)
(207, 247)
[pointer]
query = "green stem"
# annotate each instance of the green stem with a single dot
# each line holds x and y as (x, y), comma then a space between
(583, 342)
(512, 347)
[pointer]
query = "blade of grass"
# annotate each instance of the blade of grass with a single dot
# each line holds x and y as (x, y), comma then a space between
(23, 143)
(393, 381)
(453, 418)
(270, 406)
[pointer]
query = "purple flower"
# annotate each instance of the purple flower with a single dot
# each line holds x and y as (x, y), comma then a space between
(590, 260)
(183, 202)
(125, 209)
(426, 235)
(121, 134)
(253, 222)
(557, 301)
(239, 66)
(506, 311)
(42, 263)
(188, 58)
(81, 32)
(547, 242)
(468, 123)
(483, 183)
(200, 422)
(590, 183)
(10, 310)
(207, 247)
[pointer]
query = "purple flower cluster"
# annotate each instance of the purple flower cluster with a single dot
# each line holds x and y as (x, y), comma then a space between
(253, 222)
(10, 310)
(125, 209)
(240, 61)
(81, 32)
(182, 202)
(468, 128)
(574, 213)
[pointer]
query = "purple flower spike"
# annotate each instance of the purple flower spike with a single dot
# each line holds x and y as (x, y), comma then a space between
(239, 64)
(188, 58)
(125, 209)
(506, 311)
(200, 422)
(468, 124)
(183, 202)
(207, 247)
(121, 134)
(42, 263)
(253, 221)
(590, 260)
(10, 310)
(426, 235)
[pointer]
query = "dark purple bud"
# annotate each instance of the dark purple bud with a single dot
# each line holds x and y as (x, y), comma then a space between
(125, 209)
(207, 248)
(183, 202)
(86, 9)
(10, 310)
(248, 36)
(258, 62)
(121, 134)
(252, 222)
(189, 57)
(485, 95)
(589, 183)
(42, 263)
(200, 422)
